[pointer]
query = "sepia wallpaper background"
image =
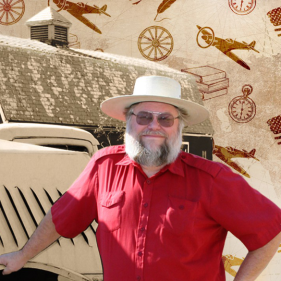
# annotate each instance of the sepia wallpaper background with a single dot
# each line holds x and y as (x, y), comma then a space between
(233, 49)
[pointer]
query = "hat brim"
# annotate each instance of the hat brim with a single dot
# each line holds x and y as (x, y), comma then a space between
(115, 107)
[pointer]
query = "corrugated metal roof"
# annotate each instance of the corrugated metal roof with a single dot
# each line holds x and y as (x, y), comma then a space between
(44, 84)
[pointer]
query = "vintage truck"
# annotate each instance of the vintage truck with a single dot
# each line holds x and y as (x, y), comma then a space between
(37, 164)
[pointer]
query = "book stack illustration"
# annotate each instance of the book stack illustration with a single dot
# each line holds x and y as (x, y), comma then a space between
(212, 82)
(275, 127)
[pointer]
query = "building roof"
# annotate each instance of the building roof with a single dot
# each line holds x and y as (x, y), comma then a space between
(40, 83)
(48, 16)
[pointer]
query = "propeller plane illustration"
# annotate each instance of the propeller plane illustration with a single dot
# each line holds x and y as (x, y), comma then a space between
(227, 153)
(226, 46)
(230, 261)
(79, 9)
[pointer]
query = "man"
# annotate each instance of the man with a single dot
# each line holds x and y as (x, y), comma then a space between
(162, 214)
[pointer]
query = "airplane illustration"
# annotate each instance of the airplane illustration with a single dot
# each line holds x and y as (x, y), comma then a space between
(226, 46)
(227, 153)
(79, 9)
(135, 3)
(229, 261)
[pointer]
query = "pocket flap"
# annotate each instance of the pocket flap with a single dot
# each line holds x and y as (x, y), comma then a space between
(112, 198)
(182, 204)
(180, 216)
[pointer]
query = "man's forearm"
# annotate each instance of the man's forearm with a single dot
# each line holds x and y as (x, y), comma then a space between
(256, 261)
(43, 236)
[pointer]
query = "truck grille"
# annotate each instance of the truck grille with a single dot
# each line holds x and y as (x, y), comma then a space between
(21, 211)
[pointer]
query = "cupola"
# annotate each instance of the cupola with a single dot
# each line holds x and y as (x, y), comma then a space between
(50, 27)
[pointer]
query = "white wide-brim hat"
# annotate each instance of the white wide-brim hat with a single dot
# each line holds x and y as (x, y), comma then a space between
(157, 89)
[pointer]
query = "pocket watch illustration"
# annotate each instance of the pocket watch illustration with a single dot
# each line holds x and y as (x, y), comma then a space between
(242, 109)
(242, 7)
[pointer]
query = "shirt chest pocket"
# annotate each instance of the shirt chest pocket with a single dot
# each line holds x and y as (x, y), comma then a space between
(180, 216)
(110, 210)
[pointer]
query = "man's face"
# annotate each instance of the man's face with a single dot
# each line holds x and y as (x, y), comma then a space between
(152, 138)
(153, 144)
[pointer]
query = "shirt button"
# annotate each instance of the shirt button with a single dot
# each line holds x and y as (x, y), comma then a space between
(145, 205)
(181, 207)
(138, 278)
(148, 181)
(139, 253)
(142, 228)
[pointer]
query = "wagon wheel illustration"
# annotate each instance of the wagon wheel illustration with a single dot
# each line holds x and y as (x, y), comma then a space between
(208, 38)
(11, 11)
(155, 43)
(59, 3)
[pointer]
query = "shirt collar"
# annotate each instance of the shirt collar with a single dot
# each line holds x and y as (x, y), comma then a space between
(125, 161)
(175, 167)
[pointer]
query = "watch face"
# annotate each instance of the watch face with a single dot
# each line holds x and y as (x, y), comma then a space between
(242, 7)
(242, 109)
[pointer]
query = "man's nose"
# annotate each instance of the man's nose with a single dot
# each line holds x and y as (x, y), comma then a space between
(154, 123)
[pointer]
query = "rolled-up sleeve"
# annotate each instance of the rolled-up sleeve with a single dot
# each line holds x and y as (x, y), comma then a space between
(77, 208)
(242, 210)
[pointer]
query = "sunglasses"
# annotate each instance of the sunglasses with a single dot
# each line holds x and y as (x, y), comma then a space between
(165, 119)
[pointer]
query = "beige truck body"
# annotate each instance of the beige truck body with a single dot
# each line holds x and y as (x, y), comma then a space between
(32, 178)
(63, 137)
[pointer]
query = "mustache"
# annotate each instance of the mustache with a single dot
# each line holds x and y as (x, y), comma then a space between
(150, 132)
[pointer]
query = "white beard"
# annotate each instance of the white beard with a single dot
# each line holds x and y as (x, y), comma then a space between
(148, 155)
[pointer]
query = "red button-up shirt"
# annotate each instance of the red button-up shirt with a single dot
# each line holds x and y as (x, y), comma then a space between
(171, 226)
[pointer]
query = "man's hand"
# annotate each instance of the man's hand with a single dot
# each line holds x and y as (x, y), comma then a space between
(44, 235)
(12, 262)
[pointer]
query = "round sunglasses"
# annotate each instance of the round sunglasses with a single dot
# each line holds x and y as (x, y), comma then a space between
(165, 119)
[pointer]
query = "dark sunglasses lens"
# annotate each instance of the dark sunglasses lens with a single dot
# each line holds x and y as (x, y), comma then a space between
(144, 118)
(166, 119)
